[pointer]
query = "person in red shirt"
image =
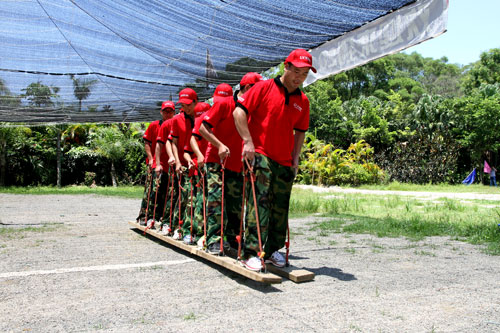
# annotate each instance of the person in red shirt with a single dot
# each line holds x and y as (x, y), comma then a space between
(194, 154)
(180, 134)
(164, 160)
(167, 111)
(223, 159)
(272, 119)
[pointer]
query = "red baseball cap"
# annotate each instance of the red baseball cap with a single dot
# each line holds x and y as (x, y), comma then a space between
(200, 108)
(167, 104)
(300, 58)
(250, 78)
(223, 90)
(187, 96)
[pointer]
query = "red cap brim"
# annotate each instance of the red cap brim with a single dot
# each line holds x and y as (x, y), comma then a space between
(185, 101)
(303, 64)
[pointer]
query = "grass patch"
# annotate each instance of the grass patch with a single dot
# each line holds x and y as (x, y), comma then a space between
(134, 192)
(11, 232)
(393, 216)
(458, 188)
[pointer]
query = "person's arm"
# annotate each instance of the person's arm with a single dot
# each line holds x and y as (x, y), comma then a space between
(159, 147)
(241, 123)
(196, 149)
(207, 133)
(189, 160)
(298, 141)
(175, 152)
(171, 158)
(147, 148)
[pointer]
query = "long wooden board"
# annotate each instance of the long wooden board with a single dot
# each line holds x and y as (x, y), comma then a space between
(224, 261)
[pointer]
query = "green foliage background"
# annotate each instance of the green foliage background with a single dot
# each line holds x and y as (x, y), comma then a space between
(400, 118)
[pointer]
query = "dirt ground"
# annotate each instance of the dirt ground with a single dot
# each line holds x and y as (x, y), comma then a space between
(88, 271)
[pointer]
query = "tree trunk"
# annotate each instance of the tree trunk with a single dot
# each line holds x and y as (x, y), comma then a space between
(113, 174)
(59, 157)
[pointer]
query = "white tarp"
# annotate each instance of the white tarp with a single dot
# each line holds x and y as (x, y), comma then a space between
(389, 34)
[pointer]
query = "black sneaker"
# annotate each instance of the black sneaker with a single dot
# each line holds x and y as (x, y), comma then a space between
(214, 248)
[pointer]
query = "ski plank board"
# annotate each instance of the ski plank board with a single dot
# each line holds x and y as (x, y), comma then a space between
(292, 273)
(224, 261)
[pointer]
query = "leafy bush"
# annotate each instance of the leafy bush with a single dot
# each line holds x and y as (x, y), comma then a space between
(322, 164)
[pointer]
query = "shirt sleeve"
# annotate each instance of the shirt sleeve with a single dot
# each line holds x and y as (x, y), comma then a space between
(251, 99)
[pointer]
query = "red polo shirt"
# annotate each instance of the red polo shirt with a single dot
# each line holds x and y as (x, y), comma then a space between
(162, 138)
(220, 119)
(150, 137)
(182, 125)
(273, 115)
(202, 143)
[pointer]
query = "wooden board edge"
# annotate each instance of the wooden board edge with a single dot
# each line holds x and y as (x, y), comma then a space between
(224, 261)
(292, 273)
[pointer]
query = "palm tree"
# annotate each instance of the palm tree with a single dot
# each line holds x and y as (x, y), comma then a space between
(81, 89)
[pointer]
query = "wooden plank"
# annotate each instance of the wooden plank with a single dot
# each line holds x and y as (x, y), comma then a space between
(225, 261)
(292, 273)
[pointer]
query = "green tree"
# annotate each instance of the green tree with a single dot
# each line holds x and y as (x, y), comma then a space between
(82, 89)
(39, 94)
(484, 71)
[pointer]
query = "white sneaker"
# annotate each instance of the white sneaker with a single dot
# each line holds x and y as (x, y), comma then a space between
(177, 235)
(164, 230)
(253, 264)
(276, 259)
(201, 242)
(188, 239)
(151, 223)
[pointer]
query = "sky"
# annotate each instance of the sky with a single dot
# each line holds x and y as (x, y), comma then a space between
(473, 28)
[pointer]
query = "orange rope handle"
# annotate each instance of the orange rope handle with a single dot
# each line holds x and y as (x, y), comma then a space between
(191, 189)
(180, 199)
(240, 236)
(149, 179)
(154, 209)
(223, 166)
(261, 253)
(287, 244)
(172, 185)
(204, 209)
(166, 197)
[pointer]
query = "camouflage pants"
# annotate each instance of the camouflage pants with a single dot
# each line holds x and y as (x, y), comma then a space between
(170, 197)
(190, 207)
(233, 189)
(273, 186)
(181, 199)
(199, 215)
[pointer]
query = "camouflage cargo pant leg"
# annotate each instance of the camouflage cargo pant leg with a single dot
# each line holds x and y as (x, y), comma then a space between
(281, 188)
(213, 203)
(199, 215)
(182, 200)
(189, 217)
(262, 185)
(273, 186)
(171, 199)
(233, 191)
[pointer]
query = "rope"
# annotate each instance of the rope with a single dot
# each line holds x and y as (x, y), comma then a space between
(166, 197)
(223, 166)
(150, 178)
(172, 187)
(179, 179)
(202, 182)
(157, 189)
(261, 253)
(239, 237)
(191, 189)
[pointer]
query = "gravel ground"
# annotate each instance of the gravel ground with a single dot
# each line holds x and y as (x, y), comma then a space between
(87, 271)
